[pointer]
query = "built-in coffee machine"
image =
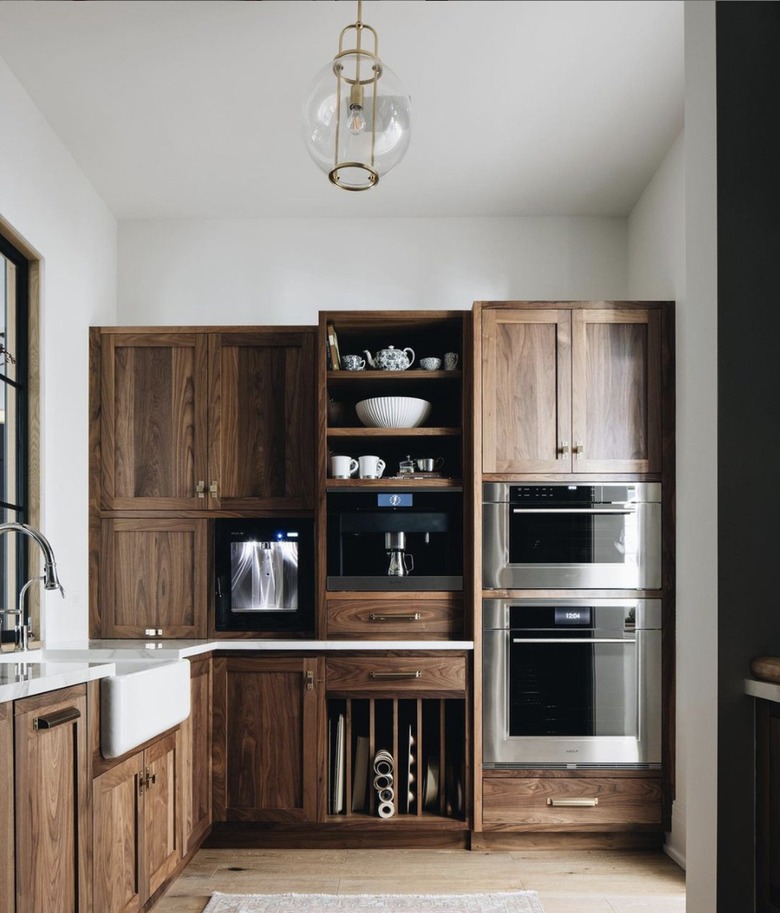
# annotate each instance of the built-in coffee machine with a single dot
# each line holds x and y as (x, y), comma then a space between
(395, 539)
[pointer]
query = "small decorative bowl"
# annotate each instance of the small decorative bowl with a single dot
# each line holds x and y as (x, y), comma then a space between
(393, 411)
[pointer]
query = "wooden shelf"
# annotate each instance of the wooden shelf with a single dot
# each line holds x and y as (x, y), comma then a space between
(394, 432)
(409, 374)
(355, 484)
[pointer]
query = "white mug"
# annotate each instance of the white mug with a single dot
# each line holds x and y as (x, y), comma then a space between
(371, 467)
(342, 467)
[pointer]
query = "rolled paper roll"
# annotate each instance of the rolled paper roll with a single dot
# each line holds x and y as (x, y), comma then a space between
(383, 781)
(383, 766)
(386, 795)
(386, 810)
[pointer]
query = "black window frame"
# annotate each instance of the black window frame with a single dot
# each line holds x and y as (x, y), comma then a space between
(20, 349)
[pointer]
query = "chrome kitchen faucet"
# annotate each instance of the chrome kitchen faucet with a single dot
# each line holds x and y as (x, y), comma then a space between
(50, 579)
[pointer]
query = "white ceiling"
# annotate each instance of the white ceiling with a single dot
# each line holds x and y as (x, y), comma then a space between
(191, 108)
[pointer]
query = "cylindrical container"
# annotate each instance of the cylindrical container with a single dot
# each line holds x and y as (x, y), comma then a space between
(382, 781)
(386, 795)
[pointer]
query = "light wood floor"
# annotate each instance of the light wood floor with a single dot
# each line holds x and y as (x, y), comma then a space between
(568, 881)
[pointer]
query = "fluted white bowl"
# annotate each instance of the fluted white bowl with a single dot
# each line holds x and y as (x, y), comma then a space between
(393, 411)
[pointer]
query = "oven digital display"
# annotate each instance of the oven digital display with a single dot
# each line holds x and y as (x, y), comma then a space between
(395, 499)
(573, 616)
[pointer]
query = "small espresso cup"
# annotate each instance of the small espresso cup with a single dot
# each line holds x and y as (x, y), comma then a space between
(428, 464)
(371, 467)
(353, 362)
(430, 364)
(343, 467)
(450, 361)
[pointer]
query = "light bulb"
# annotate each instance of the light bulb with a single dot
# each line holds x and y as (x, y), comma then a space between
(356, 122)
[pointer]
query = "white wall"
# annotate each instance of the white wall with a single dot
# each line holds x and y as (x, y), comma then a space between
(656, 270)
(672, 246)
(285, 271)
(48, 202)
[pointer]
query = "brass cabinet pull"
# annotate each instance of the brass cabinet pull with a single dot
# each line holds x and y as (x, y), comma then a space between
(578, 450)
(564, 451)
(200, 489)
(146, 779)
(394, 676)
(57, 718)
(213, 489)
(573, 803)
(153, 632)
(415, 616)
(309, 680)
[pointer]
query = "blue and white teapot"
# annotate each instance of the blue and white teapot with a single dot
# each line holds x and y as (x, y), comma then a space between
(390, 359)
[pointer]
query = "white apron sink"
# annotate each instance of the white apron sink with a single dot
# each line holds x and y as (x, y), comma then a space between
(141, 700)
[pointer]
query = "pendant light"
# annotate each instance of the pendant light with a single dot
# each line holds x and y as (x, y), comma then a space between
(357, 116)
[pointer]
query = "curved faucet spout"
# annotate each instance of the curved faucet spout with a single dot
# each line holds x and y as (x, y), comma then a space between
(50, 579)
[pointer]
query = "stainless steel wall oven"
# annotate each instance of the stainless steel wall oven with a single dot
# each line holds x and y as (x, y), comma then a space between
(572, 682)
(556, 535)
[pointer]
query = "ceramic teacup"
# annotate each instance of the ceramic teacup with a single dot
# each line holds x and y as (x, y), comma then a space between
(343, 467)
(353, 362)
(430, 364)
(428, 464)
(450, 361)
(371, 467)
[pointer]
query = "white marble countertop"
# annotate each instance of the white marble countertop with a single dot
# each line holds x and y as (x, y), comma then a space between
(29, 674)
(75, 662)
(767, 691)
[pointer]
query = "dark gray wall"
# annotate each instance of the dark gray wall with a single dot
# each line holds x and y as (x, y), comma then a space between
(748, 105)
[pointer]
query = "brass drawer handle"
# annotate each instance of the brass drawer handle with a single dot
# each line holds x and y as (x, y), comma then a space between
(56, 719)
(394, 676)
(415, 616)
(573, 803)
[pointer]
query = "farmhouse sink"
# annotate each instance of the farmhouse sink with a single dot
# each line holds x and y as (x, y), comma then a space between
(142, 699)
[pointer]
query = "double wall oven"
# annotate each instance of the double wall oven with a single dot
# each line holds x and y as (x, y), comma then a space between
(573, 677)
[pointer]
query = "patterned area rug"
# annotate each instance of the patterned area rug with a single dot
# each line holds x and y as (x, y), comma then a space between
(510, 902)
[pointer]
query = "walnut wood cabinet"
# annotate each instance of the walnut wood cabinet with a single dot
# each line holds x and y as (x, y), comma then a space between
(209, 419)
(53, 803)
(196, 756)
(7, 880)
(267, 715)
(154, 577)
(137, 826)
(571, 389)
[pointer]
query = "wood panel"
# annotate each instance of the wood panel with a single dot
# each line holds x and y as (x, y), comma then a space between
(153, 430)
(616, 390)
(53, 805)
(117, 876)
(526, 365)
(372, 617)
(162, 834)
(266, 726)
(154, 576)
(261, 451)
(196, 756)
(396, 674)
(7, 883)
(523, 803)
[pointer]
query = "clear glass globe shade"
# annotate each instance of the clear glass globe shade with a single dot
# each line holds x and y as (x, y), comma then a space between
(330, 135)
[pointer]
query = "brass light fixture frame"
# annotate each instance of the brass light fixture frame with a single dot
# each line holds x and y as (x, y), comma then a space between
(356, 94)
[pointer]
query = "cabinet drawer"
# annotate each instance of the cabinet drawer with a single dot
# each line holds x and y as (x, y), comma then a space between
(413, 619)
(392, 674)
(571, 803)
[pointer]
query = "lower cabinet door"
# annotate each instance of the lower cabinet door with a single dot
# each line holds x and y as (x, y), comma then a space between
(137, 843)
(266, 724)
(196, 756)
(53, 820)
(116, 805)
(7, 809)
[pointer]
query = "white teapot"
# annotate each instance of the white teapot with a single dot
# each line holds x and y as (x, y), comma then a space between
(391, 359)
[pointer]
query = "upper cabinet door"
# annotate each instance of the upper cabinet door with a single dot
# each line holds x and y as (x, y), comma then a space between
(153, 435)
(616, 390)
(526, 379)
(261, 420)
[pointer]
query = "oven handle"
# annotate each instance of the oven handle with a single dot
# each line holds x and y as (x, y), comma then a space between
(573, 640)
(573, 510)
